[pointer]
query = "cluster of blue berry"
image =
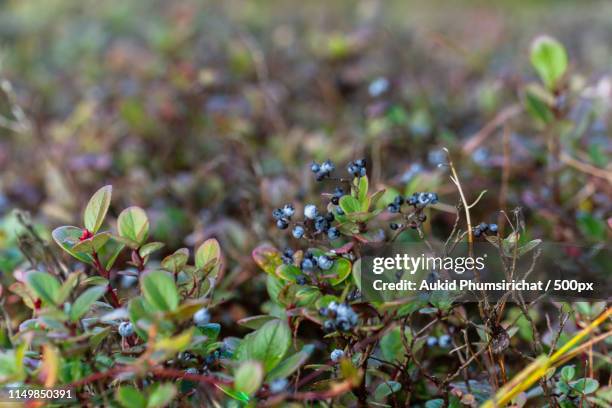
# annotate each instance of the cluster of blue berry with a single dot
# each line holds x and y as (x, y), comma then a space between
(418, 200)
(340, 317)
(283, 216)
(443, 341)
(357, 168)
(308, 264)
(484, 228)
(323, 170)
(314, 221)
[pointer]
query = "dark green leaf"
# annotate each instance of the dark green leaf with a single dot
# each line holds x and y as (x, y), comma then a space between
(44, 285)
(82, 304)
(130, 397)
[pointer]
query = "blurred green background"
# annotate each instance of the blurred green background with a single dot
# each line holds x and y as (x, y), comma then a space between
(206, 114)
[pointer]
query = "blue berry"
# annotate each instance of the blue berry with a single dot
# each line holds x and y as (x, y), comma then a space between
(301, 280)
(493, 228)
(444, 341)
(282, 224)
(338, 193)
(288, 211)
(357, 168)
(432, 341)
(278, 385)
(398, 200)
(321, 224)
(394, 226)
(433, 198)
(287, 256)
(333, 233)
(310, 211)
(325, 262)
(126, 329)
(201, 317)
(483, 226)
(298, 232)
(336, 355)
(327, 166)
(393, 208)
(339, 211)
(307, 264)
(277, 214)
(477, 232)
(315, 167)
(329, 326)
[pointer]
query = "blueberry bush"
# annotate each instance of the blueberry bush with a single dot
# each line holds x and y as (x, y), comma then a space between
(188, 192)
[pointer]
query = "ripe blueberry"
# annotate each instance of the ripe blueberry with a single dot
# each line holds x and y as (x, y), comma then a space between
(444, 341)
(310, 211)
(298, 232)
(201, 317)
(493, 228)
(324, 262)
(126, 329)
(333, 233)
(282, 224)
(288, 211)
(336, 355)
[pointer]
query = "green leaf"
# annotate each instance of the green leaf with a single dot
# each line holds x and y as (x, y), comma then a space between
(585, 386)
(567, 373)
(96, 209)
(267, 344)
(248, 377)
(161, 396)
(288, 272)
(210, 330)
(82, 304)
(349, 204)
(435, 403)
(291, 364)
(67, 287)
(67, 237)
(362, 192)
(392, 347)
(255, 322)
(130, 397)
(137, 311)
(385, 389)
(159, 290)
(341, 268)
(176, 261)
(592, 227)
(237, 395)
(148, 249)
(44, 285)
(133, 225)
(549, 58)
(267, 258)
(536, 104)
(93, 244)
(208, 256)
